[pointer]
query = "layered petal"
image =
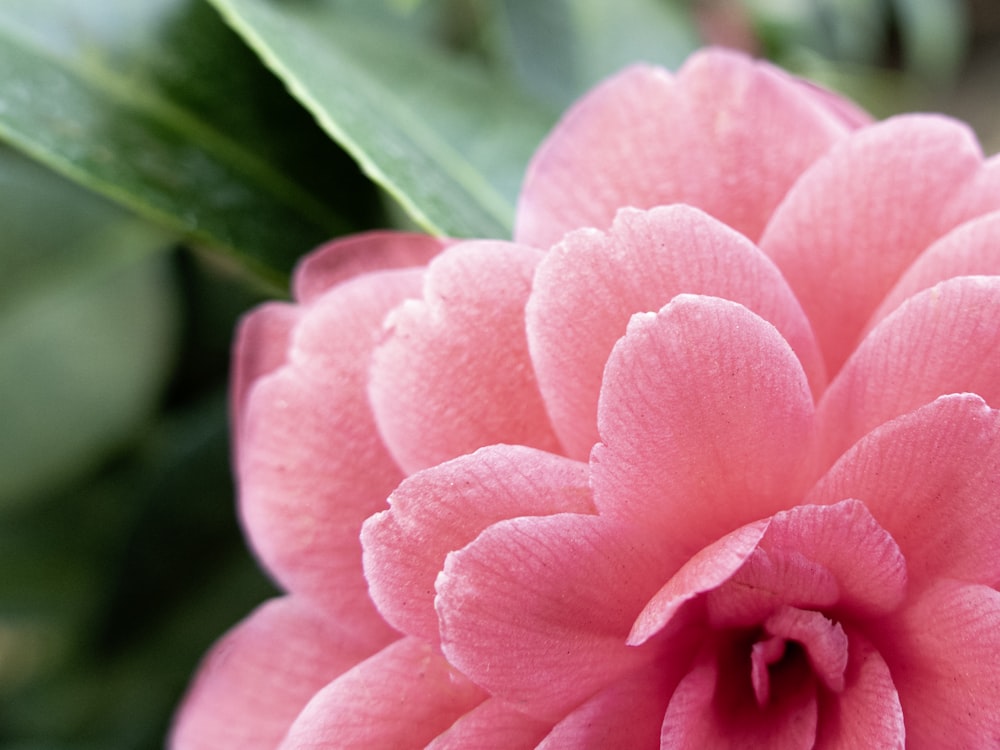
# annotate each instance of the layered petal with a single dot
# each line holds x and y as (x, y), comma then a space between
(345, 258)
(972, 249)
(444, 508)
(835, 558)
(399, 699)
(257, 678)
(866, 713)
(943, 340)
(311, 465)
(261, 347)
(537, 610)
(727, 135)
(714, 706)
(453, 373)
(858, 217)
(942, 653)
(587, 288)
(492, 725)
(932, 479)
(626, 714)
(706, 420)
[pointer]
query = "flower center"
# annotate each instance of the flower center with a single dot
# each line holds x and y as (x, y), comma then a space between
(785, 635)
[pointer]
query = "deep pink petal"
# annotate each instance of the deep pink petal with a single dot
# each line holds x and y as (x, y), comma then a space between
(943, 656)
(714, 707)
(705, 571)
(971, 249)
(943, 340)
(930, 479)
(261, 347)
(454, 373)
(399, 699)
(492, 725)
(727, 135)
(866, 713)
(588, 286)
(345, 258)
(311, 465)
(706, 420)
(536, 610)
(627, 714)
(823, 640)
(444, 508)
(860, 215)
(834, 557)
(258, 677)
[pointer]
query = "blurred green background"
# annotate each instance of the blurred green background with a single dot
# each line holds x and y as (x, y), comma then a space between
(159, 179)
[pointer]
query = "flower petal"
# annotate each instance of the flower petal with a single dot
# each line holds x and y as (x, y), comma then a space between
(589, 285)
(627, 714)
(727, 135)
(943, 340)
(399, 699)
(930, 479)
(714, 706)
(492, 725)
(261, 347)
(440, 387)
(859, 216)
(444, 508)
(536, 610)
(707, 570)
(943, 656)
(866, 713)
(706, 420)
(257, 678)
(972, 249)
(345, 258)
(311, 466)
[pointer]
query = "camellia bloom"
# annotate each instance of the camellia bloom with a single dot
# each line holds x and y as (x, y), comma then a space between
(705, 458)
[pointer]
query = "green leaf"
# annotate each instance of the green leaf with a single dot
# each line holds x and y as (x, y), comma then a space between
(106, 94)
(445, 138)
(87, 322)
(560, 48)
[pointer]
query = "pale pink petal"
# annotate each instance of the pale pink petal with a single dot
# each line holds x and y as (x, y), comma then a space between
(399, 699)
(444, 508)
(930, 479)
(714, 706)
(859, 216)
(706, 420)
(866, 713)
(945, 339)
(258, 677)
(972, 249)
(536, 610)
(261, 347)
(345, 258)
(311, 466)
(981, 195)
(728, 135)
(589, 285)
(492, 725)
(454, 373)
(849, 113)
(942, 653)
(627, 714)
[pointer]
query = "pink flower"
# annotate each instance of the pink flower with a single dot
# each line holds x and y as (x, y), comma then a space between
(705, 459)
